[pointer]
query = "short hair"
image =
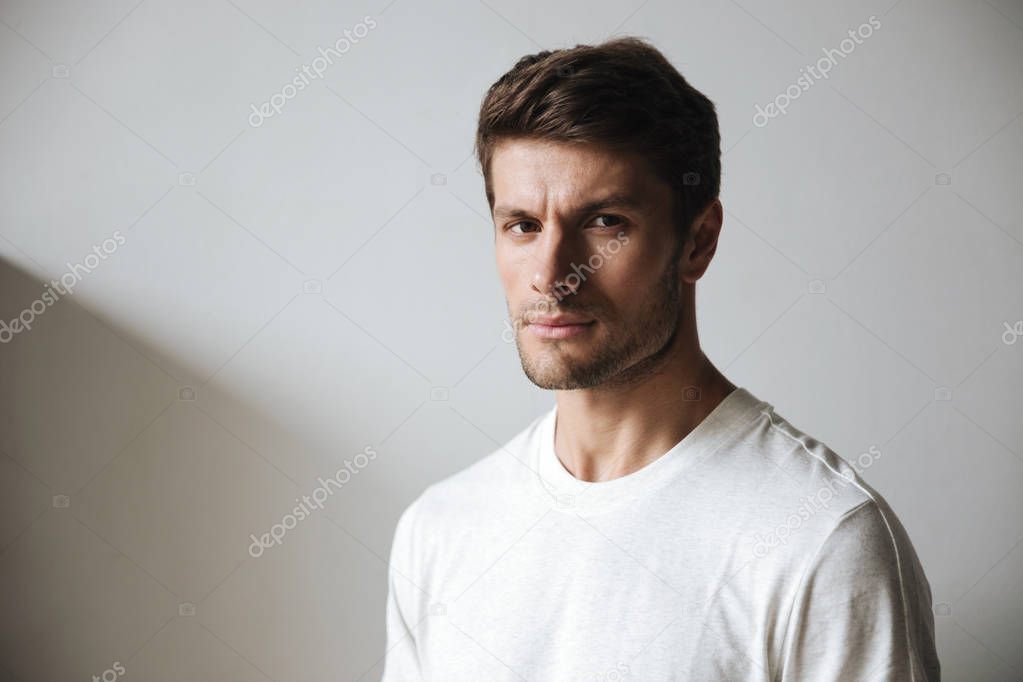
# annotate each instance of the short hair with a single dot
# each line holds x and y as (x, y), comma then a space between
(622, 95)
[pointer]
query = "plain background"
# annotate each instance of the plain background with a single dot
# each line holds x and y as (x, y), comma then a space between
(290, 294)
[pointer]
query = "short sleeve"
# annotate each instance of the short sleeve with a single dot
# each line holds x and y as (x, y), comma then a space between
(863, 608)
(401, 660)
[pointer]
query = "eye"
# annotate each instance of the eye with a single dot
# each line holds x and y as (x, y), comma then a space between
(612, 217)
(514, 225)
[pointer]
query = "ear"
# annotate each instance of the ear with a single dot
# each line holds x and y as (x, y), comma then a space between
(701, 242)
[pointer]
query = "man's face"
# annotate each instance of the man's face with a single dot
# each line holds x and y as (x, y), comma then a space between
(612, 267)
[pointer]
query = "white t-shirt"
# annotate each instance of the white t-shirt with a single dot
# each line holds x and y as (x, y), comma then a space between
(749, 551)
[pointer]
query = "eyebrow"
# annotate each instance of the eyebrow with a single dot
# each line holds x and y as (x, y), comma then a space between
(612, 201)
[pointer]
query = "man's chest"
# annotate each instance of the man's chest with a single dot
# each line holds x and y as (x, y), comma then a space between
(576, 600)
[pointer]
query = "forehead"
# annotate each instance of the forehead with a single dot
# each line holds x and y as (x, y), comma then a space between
(529, 173)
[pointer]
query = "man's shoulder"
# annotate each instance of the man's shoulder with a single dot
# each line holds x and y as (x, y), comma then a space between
(793, 468)
(804, 498)
(499, 476)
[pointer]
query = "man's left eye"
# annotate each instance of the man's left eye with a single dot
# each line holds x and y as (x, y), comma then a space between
(612, 217)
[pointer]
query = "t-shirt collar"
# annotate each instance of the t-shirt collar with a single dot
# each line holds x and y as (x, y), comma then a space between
(573, 495)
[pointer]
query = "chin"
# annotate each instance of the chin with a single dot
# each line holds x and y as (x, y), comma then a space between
(554, 374)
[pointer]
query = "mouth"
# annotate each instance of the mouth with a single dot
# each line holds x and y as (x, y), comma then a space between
(560, 331)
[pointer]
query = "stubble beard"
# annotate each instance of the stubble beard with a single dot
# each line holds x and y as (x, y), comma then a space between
(633, 352)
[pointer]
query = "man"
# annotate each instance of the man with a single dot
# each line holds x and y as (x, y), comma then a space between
(659, 522)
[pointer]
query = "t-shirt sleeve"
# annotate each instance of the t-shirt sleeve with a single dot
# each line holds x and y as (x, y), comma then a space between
(863, 608)
(401, 660)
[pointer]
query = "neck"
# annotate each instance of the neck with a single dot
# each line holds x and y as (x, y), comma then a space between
(611, 431)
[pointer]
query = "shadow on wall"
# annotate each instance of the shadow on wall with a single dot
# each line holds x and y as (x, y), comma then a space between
(163, 520)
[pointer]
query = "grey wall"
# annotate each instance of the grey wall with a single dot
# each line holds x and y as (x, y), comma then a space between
(273, 299)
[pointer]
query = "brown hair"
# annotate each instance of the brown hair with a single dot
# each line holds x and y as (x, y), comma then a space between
(622, 95)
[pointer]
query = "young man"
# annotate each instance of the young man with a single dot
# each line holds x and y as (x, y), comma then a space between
(658, 523)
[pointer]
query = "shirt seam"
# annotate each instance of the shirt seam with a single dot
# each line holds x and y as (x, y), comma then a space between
(891, 536)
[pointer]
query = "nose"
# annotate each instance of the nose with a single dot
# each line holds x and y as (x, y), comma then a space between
(552, 259)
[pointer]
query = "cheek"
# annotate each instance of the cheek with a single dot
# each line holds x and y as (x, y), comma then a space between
(509, 268)
(628, 280)
(644, 266)
(626, 273)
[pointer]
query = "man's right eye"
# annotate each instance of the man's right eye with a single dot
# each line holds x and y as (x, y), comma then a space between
(514, 225)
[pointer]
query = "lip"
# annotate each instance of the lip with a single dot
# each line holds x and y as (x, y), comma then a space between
(561, 330)
(562, 320)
